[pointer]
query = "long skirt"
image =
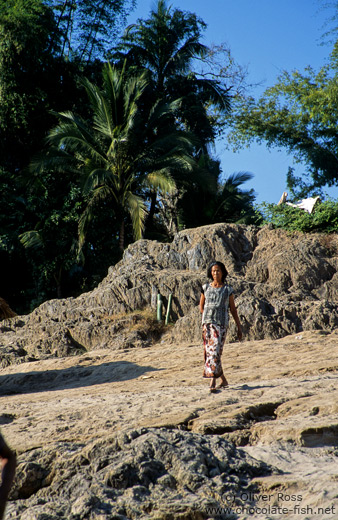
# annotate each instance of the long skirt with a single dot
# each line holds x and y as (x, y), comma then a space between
(213, 341)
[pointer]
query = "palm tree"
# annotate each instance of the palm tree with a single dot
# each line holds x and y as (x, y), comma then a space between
(120, 155)
(233, 204)
(214, 200)
(167, 45)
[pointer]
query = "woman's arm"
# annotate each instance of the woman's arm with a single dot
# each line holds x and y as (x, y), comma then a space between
(233, 311)
(202, 302)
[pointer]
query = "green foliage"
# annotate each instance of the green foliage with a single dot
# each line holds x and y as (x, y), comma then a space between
(209, 199)
(120, 154)
(132, 160)
(23, 43)
(32, 80)
(299, 113)
(52, 206)
(15, 272)
(88, 27)
(232, 203)
(167, 45)
(324, 217)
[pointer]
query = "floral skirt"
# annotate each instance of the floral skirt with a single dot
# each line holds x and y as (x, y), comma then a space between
(213, 341)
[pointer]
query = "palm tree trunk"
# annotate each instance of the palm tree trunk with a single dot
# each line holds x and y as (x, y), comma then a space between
(57, 278)
(121, 236)
(150, 216)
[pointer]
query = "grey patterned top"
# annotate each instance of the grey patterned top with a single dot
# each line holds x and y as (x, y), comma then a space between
(216, 304)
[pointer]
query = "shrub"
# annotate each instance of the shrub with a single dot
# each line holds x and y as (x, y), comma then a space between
(324, 217)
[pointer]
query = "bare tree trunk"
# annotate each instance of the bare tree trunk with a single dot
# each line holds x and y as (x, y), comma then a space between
(150, 216)
(57, 278)
(121, 236)
(168, 211)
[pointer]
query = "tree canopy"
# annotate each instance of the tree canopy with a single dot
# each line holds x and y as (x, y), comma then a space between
(299, 113)
(130, 155)
(87, 28)
(168, 45)
(25, 70)
(120, 154)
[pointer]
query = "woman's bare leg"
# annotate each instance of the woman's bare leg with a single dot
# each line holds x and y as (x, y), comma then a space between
(213, 383)
(224, 382)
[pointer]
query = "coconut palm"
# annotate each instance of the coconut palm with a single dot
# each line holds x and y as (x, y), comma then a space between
(120, 155)
(232, 203)
(216, 200)
(167, 45)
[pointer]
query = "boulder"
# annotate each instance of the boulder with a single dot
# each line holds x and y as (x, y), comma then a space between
(145, 473)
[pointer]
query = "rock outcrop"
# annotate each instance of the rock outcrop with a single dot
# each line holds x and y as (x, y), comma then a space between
(146, 473)
(5, 310)
(284, 283)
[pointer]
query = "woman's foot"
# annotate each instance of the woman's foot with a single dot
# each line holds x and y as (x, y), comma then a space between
(213, 385)
(224, 383)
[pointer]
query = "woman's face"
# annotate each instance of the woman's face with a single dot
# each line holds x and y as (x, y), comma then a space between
(216, 273)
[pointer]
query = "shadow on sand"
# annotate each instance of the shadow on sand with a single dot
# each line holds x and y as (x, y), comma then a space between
(72, 377)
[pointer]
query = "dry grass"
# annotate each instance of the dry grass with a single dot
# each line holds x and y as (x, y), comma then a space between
(143, 321)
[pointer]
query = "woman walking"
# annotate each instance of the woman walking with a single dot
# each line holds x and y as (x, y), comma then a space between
(216, 298)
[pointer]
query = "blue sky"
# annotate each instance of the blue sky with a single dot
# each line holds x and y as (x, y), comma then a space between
(266, 36)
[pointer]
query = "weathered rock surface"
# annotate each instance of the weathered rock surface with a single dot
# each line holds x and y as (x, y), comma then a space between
(284, 283)
(146, 473)
(136, 434)
(5, 310)
(112, 420)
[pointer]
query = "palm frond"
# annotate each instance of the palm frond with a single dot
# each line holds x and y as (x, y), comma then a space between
(236, 179)
(31, 239)
(213, 92)
(98, 177)
(99, 194)
(162, 109)
(102, 115)
(73, 135)
(53, 159)
(138, 212)
(160, 180)
(181, 60)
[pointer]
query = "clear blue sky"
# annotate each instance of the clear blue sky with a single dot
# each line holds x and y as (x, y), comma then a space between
(267, 36)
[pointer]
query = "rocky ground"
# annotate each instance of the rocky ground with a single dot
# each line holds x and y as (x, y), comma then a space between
(136, 434)
(111, 418)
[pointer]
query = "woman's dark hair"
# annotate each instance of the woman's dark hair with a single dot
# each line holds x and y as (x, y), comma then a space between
(222, 267)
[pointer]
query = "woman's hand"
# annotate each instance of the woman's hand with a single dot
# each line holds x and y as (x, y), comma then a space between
(233, 311)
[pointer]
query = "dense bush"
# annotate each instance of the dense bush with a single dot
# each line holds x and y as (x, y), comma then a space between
(324, 217)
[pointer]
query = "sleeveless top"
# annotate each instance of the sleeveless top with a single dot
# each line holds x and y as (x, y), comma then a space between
(216, 304)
